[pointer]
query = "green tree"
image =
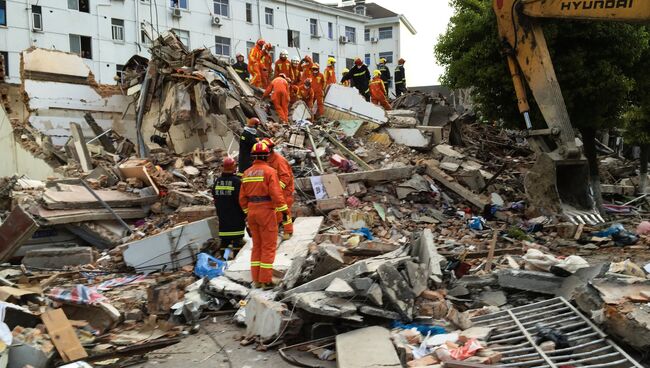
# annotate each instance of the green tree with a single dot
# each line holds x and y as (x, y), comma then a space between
(593, 62)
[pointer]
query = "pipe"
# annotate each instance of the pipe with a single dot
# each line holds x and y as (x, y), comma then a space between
(117, 217)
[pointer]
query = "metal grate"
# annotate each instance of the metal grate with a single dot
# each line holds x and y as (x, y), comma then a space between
(514, 336)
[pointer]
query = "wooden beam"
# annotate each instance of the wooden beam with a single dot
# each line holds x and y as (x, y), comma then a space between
(433, 171)
(80, 147)
(349, 153)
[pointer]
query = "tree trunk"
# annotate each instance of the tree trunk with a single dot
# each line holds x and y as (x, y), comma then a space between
(589, 141)
(643, 168)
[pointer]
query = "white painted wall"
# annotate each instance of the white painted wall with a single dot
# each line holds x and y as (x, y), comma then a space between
(59, 22)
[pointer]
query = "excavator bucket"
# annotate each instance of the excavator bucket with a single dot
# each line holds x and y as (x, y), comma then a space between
(562, 187)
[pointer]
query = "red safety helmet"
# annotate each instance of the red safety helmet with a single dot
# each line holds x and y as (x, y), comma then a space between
(253, 122)
(358, 62)
(261, 42)
(401, 61)
(228, 165)
(268, 46)
(260, 149)
(269, 142)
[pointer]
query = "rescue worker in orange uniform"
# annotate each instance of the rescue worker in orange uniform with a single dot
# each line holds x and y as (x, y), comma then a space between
(267, 64)
(279, 92)
(330, 72)
(285, 174)
(306, 94)
(306, 65)
(318, 86)
(297, 71)
(378, 91)
(260, 197)
(283, 66)
(255, 63)
(346, 82)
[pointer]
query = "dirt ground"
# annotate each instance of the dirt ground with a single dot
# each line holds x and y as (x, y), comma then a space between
(200, 351)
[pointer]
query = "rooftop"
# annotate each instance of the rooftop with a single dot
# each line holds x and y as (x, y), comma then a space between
(373, 10)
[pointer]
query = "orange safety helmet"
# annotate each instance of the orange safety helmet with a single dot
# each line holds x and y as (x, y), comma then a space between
(253, 122)
(228, 165)
(261, 42)
(315, 66)
(269, 142)
(268, 46)
(260, 149)
(358, 62)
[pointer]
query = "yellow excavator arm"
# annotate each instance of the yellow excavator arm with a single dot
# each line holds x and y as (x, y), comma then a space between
(559, 180)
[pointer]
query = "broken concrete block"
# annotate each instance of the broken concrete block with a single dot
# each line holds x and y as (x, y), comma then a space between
(472, 179)
(343, 103)
(427, 253)
(449, 166)
(494, 298)
(477, 332)
(539, 282)
(339, 288)
(161, 297)
(318, 302)
(329, 259)
(417, 275)
(330, 204)
(361, 284)
(378, 312)
(366, 347)
(228, 288)
(267, 319)
(409, 137)
(446, 150)
(397, 290)
(375, 295)
(58, 257)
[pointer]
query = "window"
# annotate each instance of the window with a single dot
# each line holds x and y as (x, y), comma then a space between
(119, 71)
(349, 63)
(3, 13)
(249, 47)
(249, 12)
(144, 35)
(184, 36)
(330, 30)
(4, 65)
(313, 27)
(222, 46)
(351, 34)
(385, 33)
(315, 57)
(387, 55)
(293, 38)
(268, 16)
(80, 5)
(179, 4)
(221, 7)
(360, 9)
(81, 45)
(366, 34)
(117, 28)
(366, 59)
(37, 18)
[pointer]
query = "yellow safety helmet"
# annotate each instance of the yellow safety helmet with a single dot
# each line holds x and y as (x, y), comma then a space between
(376, 73)
(331, 60)
(346, 70)
(382, 61)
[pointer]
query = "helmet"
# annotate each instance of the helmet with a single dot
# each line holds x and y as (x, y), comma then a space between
(253, 122)
(268, 46)
(260, 42)
(315, 66)
(382, 61)
(376, 73)
(282, 75)
(346, 70)
(295, 60)
(307, 59)
(228, 165)
(401, 61)
(284, 53)
(308, 82)
(260, 149)
(269, 142)
(358, 62)
(331, 60)
(238, 55)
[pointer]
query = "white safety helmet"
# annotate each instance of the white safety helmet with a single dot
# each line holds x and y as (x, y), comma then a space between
(295, 60)
(284, 53)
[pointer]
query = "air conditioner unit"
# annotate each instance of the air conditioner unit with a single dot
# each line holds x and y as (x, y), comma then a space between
(343, 39)
(216, 21)
(177, 13)
(37, 22)
(374, 39)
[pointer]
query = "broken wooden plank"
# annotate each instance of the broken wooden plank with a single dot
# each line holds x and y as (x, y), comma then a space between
(372, 177)
(63, 335)
(491, 247)
(433, 171)
(16, 230)
(349, 153)
(80, 147)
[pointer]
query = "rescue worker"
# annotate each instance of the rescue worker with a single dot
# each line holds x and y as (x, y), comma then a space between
(255, 64)
(261, 198)
(346, 82)
(297, 71)
(378, 91)
(267, 64)
(330, 71)
(285, 175)
(232, 220)
(306, 94)
(278, 90)
(241, 68)
(359, 76)
(283, 66)
(400, 78)
(318, 86)
(385, 74)
(306, 65)
(246, 142)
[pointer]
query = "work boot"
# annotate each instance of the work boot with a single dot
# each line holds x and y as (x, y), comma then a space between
(266, 285)
(257, 285)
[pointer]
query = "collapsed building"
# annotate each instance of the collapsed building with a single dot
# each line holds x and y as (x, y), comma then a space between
(413, 246)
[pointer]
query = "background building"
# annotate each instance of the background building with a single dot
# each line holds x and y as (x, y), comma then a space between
(106, 33)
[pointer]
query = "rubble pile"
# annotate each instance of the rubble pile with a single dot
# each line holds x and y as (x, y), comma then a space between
(413, 242)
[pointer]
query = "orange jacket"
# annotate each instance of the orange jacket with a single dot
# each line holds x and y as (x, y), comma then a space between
(284, 66)
(318, 85)
(254, 56)
(285, 173)
(377, 89)
(306, 94)
(267, 61)
(306, 65)
(278, 84)
(330, 75)
(297, 72)
(260, 189)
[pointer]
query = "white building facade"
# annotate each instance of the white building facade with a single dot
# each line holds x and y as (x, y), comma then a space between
(106, 33)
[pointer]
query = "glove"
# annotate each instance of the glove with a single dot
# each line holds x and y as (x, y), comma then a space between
(285, 216)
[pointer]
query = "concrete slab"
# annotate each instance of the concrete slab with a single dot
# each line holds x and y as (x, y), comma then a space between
(318, 302)
(409, 137)
(339, 288)
(341, 99)
(539, 282)
(265, 318)
(366, 348)
(58, 257)
(397, 291)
